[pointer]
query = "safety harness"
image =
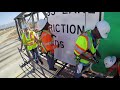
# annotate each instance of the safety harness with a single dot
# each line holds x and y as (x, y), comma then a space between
(42, 45)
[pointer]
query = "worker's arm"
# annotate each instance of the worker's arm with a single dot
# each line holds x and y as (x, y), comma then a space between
(83, 57)
(82, 48)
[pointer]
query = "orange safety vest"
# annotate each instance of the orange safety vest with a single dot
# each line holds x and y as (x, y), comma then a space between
(47, 42)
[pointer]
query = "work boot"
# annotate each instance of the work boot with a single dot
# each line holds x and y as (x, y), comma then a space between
(53, 69)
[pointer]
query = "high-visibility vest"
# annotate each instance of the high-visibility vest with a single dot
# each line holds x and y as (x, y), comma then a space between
(47, 42)
(83, 43)
(29, 41)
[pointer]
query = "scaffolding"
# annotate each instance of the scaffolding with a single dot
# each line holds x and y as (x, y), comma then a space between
(29, 17)
(64, 70)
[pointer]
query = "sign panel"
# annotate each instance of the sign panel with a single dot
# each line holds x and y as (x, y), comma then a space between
(67, 26)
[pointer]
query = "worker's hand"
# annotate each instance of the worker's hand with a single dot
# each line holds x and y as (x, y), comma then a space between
(55, 46)
(91, 60)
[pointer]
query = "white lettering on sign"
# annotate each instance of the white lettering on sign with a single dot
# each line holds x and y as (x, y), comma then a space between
(67, 26)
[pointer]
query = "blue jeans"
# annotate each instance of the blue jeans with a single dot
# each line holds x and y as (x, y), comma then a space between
(78, 75)
(50, 61)
(35, 54)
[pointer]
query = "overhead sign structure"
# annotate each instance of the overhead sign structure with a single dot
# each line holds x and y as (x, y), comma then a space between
(67, 26)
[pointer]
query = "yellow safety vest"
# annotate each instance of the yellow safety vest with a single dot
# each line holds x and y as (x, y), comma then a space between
(83, 43)
(30, 41)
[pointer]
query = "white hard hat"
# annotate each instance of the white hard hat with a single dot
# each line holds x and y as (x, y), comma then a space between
(41, 23)
(109, 61)
(79, 68)
(103, 28)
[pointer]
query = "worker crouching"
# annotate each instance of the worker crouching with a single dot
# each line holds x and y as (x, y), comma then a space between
(86, 46)
(47, 43)
(112, 63)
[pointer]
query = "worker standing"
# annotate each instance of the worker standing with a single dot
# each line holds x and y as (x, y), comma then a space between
(112, 63)
(47, 43)
(86, 46)
(30, 40)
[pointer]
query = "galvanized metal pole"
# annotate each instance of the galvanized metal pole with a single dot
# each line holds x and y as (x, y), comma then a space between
(17, 29)
(33, 23)
(37, 16)
(100, 15)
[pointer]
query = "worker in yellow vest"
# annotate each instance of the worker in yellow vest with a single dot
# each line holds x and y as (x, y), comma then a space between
(30, 40)
(86, 46)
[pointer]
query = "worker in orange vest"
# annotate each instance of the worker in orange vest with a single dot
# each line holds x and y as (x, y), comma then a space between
(47, 43)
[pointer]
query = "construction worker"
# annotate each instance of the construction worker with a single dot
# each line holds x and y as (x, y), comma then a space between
(30, 40)
(86, 46)
(47, 43)
(112, 63)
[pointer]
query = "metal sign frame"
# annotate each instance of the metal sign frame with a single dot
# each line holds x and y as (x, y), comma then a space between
(22, 16)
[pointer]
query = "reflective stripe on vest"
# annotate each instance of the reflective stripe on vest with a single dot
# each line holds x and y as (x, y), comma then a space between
(76, 52)
(43, 48)
(48, 43)
(90, 46)
(84, 61)
(88, 40)
(79, 50)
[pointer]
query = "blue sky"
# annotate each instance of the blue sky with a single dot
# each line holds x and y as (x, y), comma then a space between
(7, 17)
